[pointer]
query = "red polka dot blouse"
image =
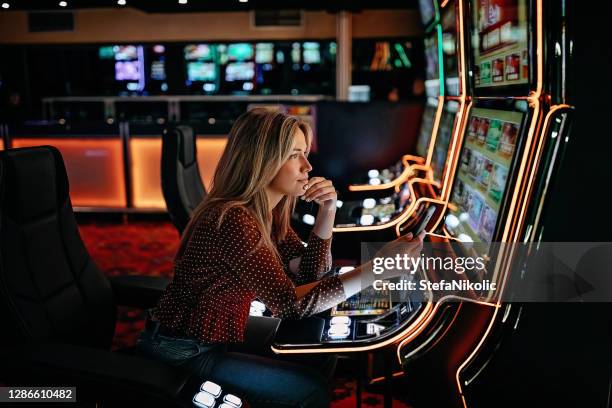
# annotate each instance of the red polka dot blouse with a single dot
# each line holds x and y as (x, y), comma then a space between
(222, 270)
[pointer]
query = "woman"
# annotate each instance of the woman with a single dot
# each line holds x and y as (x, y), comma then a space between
(239, 246)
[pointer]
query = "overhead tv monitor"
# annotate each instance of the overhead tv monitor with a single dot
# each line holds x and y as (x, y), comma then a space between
(201, 71)
(240, 71)
(128, 71)
(312, 53)
(198, 52)
(483, 172)
(499, 34)
(428, 11)
(240, 52)
(264, 53)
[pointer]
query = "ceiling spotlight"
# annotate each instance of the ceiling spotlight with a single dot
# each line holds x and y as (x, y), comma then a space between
(182, 1)
(121, 2)
(63, 4)
(5, 5)
(243, 1)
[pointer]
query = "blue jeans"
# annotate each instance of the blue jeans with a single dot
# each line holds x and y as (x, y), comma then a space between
(263, 381)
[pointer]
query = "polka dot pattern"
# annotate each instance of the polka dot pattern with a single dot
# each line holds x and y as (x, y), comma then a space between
(223, 269)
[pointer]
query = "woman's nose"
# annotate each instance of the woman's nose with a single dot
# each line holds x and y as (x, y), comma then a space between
(306, 167)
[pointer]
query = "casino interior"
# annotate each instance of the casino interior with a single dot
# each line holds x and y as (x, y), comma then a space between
(477, 120)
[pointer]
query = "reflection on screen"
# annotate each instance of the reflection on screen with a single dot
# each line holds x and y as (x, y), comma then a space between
(426, 129)
(499, 40)
(449, 50)
(490, 141)
(438, 160)
(427, 11)
(431, 57)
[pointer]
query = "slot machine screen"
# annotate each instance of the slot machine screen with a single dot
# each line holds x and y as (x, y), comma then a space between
(426, 129)
(312, 54)
(499, 38)
(201, 52)
(240, 71)
(129, 66)
(127, 71)
(480, 183)
(201, 71)
(240, 52)
(368, 302)
(438, 160)
(264, 53)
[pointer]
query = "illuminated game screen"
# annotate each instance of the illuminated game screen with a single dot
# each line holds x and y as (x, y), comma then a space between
(367, 302)
(312, 54)
(425, 131)
(438, 160)
(127, 71)
(201, 71)
(240, 52)
(480, 183)
(499, 31)
(264, 53)
(202, 52)
(240, 71)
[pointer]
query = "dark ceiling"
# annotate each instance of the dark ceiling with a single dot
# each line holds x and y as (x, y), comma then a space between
(173, 6)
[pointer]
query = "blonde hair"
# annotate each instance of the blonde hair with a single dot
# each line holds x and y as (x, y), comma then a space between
(259, 143)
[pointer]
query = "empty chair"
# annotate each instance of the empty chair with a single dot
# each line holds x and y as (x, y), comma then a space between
(182, 185)
(57, 308)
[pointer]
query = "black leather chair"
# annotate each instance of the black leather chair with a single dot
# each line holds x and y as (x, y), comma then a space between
(182, 185)
(57, 310)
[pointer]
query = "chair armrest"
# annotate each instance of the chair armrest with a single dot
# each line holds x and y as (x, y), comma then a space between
(98, 375)
(138, 290)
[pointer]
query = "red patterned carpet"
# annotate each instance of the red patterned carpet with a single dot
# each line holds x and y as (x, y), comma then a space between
(147, 248)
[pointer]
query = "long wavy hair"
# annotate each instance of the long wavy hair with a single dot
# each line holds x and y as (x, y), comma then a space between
(259, 143)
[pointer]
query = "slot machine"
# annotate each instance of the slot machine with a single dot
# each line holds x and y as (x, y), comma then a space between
(494, 182)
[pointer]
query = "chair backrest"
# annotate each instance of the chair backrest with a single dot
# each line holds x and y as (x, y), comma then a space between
(50, 289)
(181, 182)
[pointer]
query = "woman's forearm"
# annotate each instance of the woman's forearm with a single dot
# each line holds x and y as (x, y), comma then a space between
(353, 281)
(325, 222)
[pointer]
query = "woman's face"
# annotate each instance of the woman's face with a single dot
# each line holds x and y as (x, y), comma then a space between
(293, 175)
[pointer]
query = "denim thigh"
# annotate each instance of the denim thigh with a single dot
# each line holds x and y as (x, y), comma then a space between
(172, 350)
